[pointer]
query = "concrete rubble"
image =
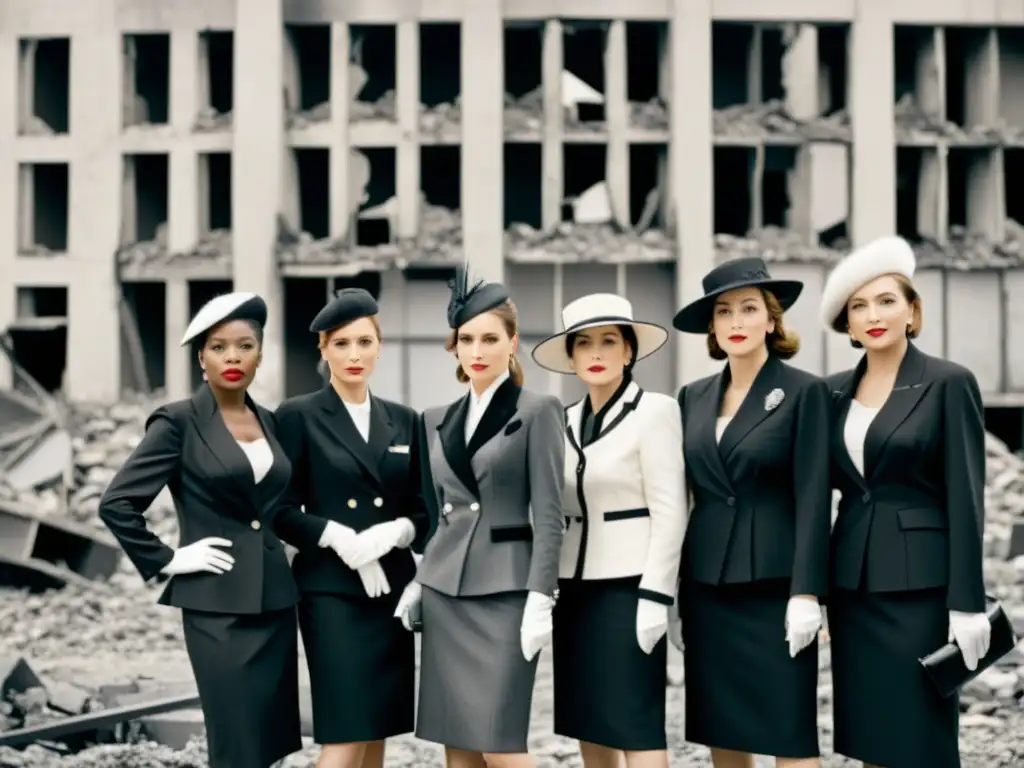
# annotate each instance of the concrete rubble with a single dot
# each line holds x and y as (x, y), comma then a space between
(214, 247)
(770, 121)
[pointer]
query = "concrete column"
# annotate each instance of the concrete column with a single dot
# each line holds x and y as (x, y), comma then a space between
(483, 136)
(94, 330)
(872, 97)
(691, 162)
(257, 165)
(8, 186)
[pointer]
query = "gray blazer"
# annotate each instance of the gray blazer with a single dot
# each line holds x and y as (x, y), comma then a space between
(500, 496)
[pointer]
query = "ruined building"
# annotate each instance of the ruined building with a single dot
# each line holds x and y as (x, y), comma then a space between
(154, 154)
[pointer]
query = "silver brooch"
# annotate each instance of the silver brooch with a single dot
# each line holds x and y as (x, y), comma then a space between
(774, 399)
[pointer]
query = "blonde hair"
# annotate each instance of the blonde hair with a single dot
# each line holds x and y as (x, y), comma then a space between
(325, 336)
(781, 343)
(842, 323)
(506, 312)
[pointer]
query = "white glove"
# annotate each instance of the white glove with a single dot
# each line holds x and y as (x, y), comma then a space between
(375, 582)
(377, 540)
(803, 620)
(338, 537)
(199, 556)
(675, 634)
(972, 634)
(537, 626)
(651, 624)
(409, 605)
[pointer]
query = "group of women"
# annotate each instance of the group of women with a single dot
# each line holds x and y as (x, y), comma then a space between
(598, 529)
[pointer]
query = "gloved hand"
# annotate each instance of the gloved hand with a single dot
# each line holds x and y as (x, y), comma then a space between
(200, 556)
(409, 608)
(338, 537)
(803, 620)
(972, 634)
(537, 625)
(375, 582)
(651, 624)
(377, 540)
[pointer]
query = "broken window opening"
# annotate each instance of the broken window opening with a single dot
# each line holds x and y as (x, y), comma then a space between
(313, 166)
(147, 79)
(303, 298)
(309, 97)
(216, 178)
(779, 164)
(746, 62)
(732, 194)
(372, 72)
(200, 292)
(218, 55)
(583, 60)
(146, 211)
(1011, 70)
(440, 78)
(909, 166)
(1012, 188)
(584, 167)
(39, 334)
(833, 66)
(968, 190)
(918, 107)
(646, 186)
(44, 74)
(43, 209)
(374, 224)
(963, 47)
(440, 231)
(523, 198)
(524, 91)
(646, 50)
(143, 336)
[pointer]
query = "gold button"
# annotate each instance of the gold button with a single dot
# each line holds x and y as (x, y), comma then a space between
(351, 503)
(447, 507)
(474, 507)
(378, 502)
(255, 525)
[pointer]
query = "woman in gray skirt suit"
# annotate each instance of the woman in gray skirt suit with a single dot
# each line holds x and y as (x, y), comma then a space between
(625, 518)
(487, 583)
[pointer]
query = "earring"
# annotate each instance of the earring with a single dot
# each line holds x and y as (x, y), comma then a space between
(204, 375)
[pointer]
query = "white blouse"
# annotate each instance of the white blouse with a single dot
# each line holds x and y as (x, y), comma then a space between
(360, 413)
(260, 456)
(858, 420)
(720, 425)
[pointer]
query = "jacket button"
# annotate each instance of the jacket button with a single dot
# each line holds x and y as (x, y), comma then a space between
(351, 503)
(474, 507)
(866, 498)
(731, 501)
(447, 508)
(255, 525)
(378, 502)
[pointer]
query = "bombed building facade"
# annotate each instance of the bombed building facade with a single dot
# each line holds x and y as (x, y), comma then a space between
(156, 154)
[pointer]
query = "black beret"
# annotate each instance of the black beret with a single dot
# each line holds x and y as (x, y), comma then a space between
(481, 298)
(348, 304)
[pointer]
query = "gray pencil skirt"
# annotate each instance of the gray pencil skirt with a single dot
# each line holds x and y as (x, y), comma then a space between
(476, 689)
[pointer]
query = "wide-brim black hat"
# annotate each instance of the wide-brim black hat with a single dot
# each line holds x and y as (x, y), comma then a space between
(696, 316)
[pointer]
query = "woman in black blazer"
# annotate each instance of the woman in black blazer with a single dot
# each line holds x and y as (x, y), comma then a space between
(355, 460)
(218, 455)
(755, 554)
(909, 458)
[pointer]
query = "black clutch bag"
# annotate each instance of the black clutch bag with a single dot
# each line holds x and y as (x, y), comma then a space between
(945, 667)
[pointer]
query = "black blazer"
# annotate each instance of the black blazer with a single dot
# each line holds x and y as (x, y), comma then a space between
(917, 520)
(339, 476)
(762, 501)
(188, 448)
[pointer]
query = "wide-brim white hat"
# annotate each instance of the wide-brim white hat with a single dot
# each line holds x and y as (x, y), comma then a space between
(889, 255)
(592, 311)
(240, 305)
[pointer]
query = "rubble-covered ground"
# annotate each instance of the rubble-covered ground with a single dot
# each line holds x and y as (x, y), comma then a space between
(113, 633)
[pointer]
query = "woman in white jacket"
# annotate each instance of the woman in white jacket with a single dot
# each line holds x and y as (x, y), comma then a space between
(625, 519)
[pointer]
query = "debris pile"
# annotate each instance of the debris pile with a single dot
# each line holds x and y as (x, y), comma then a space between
(524, 114)
(915, 125)
(573, 243)
(384, 108)
(321, 113)
(774, 245)
(967, 250)
(770, 120)
(209, 119)
(214, 248)
(649, 115)
(442, 123)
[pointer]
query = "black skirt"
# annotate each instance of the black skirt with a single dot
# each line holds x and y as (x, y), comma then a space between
(607, 690)
(885, 709)
(247, 673)
(743, 691)
(362, 667)
(476, 689)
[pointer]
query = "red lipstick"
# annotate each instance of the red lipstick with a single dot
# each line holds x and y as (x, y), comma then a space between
(478, 367)
(596, 368)
(354, 370)
(737, 338)
(876, 332)
(233, 374)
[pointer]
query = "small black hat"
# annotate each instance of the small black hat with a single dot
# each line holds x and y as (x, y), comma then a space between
(738, 273)
(467, 302)
(348, 304)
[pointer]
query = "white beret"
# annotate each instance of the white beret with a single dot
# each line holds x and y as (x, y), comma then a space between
(885, 256)
(240, 305)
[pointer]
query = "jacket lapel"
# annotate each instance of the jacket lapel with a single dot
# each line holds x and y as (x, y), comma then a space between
(452, 435)
(702, 414)
(276, 480)
(498, 413)
(382, 431)
(753, 410)
(214, 433)
(841, 409)
(905, 395)
(340, 422)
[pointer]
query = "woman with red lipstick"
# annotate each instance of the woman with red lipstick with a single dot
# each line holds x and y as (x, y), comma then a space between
(909, 459)
(755, 559)
(218, 454)
(356, 470)
(625, 518)
(488, 580)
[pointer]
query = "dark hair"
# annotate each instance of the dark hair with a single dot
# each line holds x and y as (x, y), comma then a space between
(628, 336)
(781, 343)
(257, 331)
(842, 323)
(506, 312)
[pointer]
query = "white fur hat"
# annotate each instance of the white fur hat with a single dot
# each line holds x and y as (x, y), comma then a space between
(885, 256)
